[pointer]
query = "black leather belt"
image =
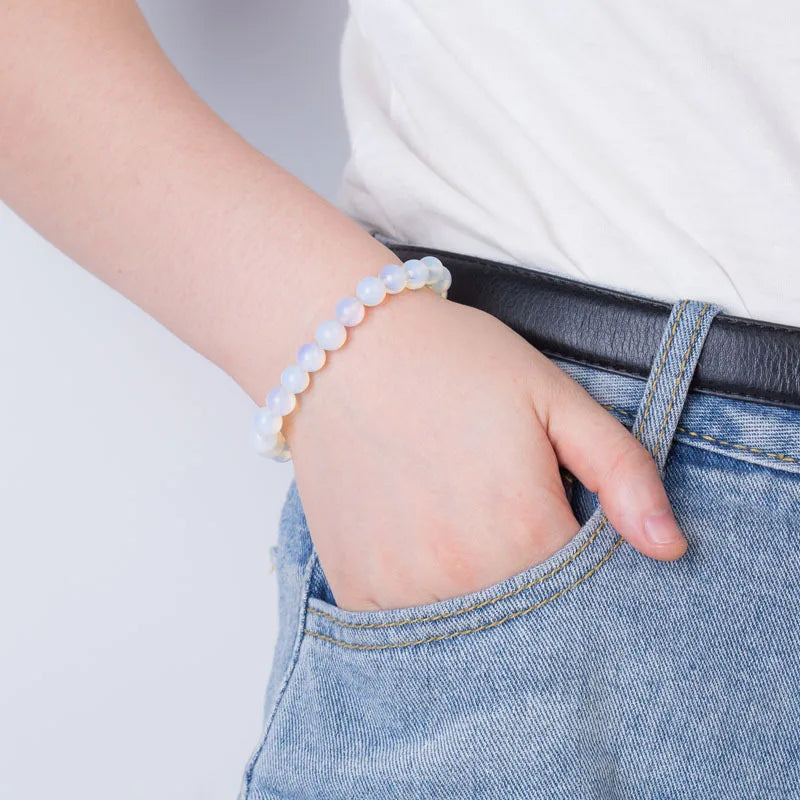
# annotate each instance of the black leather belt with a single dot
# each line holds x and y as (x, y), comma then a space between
(618, 332)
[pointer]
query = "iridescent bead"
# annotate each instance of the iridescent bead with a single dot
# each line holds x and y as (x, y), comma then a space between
(284, 455)
(370, 290)
(266, 423)
(435, 269)
(417, 273)
(280, 402)
(294, 379)
(268, 446)
(311, 357)
(349, 311)
(331, 334)
(394, 278)
(443, 284)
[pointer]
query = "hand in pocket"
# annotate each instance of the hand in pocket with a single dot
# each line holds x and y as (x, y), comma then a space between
(427, 459)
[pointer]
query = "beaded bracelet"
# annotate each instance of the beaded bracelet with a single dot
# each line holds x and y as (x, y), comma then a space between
(415, 273)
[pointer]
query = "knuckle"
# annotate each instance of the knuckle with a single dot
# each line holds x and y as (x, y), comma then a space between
(629, 461)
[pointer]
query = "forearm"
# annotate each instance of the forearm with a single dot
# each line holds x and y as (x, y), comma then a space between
(107, 151)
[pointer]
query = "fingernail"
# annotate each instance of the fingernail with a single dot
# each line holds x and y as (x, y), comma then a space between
(662, 529)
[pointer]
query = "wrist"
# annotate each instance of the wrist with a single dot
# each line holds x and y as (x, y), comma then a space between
(384, 350)
(302, 298)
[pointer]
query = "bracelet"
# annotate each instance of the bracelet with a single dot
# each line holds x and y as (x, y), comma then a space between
(331, 334)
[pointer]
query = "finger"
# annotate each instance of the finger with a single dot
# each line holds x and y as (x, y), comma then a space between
(608, 460)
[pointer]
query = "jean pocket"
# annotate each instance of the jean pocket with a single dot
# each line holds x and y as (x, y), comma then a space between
(518, 596)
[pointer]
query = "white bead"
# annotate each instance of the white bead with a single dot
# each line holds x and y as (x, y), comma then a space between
(370, 290)
(331, 334)
(266, 423)
(268, 446)
(435, 269)
(280, 402)
(443, 284)
(294, 379)
(349, 311)
(311, 357)
(417, 273)
(394, 278)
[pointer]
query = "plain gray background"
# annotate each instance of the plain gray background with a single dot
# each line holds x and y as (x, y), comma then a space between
(137, 608)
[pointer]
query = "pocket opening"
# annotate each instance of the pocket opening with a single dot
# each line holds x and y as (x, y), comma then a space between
(517, 596)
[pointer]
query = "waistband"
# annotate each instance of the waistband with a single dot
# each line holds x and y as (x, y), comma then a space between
(743, 359)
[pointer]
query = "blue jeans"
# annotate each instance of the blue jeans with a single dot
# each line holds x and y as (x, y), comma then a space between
(597, 674)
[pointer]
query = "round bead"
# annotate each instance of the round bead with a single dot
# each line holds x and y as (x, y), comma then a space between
(394, 278)
(294, 379)
(266, 423)
(349, 311)
(370, 290)
(268, 446)
(417, 273)
(311, 357)
(443, 284)
(331, 334)
(280, 402)
(435, 269)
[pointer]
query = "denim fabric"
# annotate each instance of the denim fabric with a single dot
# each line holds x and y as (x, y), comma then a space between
(597, 674)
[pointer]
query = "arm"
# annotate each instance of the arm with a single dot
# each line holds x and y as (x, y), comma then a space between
(106, 150)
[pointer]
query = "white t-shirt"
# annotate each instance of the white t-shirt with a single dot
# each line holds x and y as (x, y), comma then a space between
(651, 147)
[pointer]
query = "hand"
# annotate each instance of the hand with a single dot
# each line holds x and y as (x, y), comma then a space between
(427, 458)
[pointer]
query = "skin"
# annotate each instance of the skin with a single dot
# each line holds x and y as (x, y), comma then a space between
(427, 452)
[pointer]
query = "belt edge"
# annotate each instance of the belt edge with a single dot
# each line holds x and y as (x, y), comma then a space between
(707, 379)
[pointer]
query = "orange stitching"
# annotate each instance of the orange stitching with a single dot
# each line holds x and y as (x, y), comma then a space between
(685, 361)
(481, 604)
(706, 437)
(442, 637)
(619, 410)
(660, 367)
(779, 456)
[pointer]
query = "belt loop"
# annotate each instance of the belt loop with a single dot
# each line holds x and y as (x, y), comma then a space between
(670, 376)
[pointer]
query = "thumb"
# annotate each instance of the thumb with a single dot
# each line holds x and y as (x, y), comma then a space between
(608, 460)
